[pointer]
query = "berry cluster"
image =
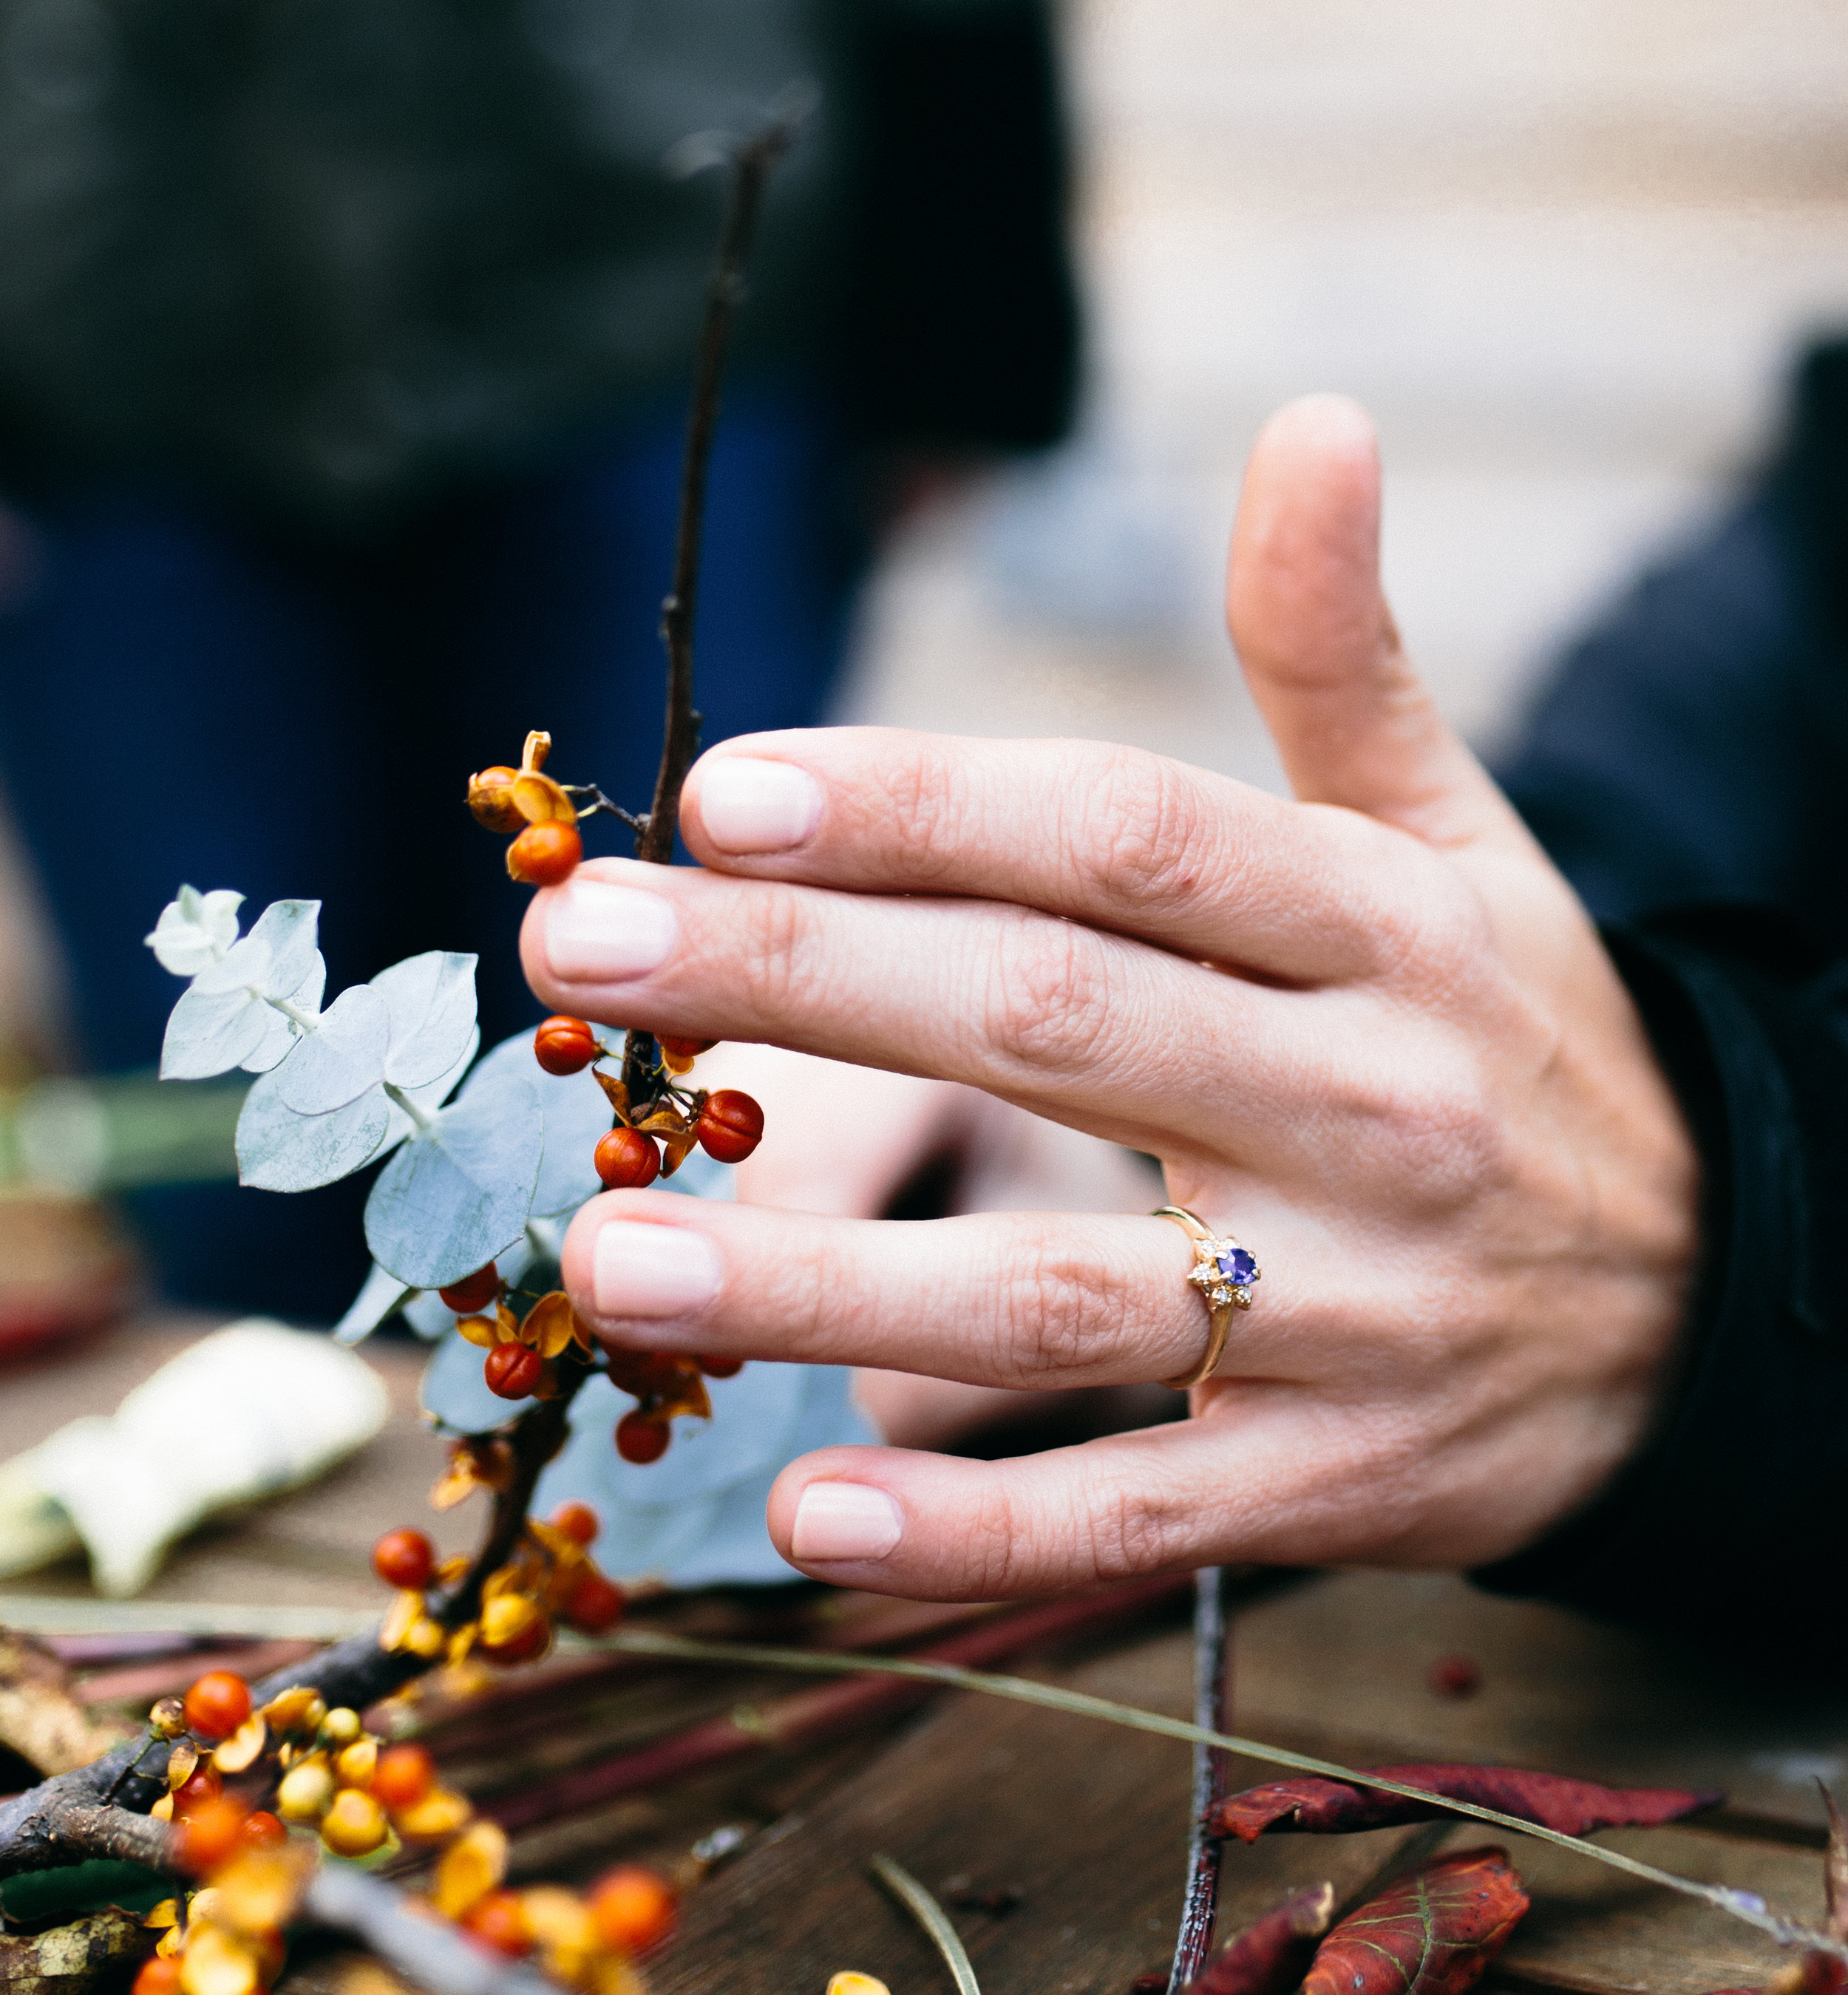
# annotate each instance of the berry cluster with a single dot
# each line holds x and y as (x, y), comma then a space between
(344, 1791)
(544, 814)
(653, 1142)
(549, 1578)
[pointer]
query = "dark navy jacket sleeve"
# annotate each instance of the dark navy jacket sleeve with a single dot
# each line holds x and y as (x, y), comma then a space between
(1688, 771)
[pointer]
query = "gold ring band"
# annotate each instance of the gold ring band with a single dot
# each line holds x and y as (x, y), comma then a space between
(1223, 1272)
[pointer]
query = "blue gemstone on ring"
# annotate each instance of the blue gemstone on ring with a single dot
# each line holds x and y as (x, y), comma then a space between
(1237, 1266)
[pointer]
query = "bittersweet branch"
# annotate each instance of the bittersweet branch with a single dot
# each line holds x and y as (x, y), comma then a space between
(750, 169)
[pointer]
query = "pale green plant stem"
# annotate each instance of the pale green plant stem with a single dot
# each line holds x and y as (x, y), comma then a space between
(403, 1100)
(1746, 1906)
(931, 1917)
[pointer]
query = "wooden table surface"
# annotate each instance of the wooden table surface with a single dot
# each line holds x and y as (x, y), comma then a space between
(1082, 1823)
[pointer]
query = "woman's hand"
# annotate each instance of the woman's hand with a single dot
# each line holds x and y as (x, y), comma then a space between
(1370, 1032)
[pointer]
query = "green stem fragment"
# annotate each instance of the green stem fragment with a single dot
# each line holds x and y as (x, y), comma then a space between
(931, 1916)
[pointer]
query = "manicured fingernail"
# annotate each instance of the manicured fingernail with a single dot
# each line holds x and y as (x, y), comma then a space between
(595, 931)
(746, 806)
(845, 1520)
(652, 1271)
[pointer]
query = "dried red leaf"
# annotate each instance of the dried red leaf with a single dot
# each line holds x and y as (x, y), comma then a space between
(1815, 1974)
(1316, 1807)
(1433, 1933)
(1271, 1956)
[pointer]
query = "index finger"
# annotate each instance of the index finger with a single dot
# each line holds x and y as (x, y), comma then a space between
(1197, 864)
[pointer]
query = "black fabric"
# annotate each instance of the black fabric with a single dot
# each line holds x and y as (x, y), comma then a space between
(334, 258)
(1688, 770)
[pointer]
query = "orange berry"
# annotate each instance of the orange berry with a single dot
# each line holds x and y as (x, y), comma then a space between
(565, 1045)
(513, 1629)
(491, 798)
(596, 1605)
(513, 1370)
(262, 1831)
(686, 1049)
(217, 1705)
(204, 1784)
(720, 1367)
(634, 1907)
(577, 1521)
(473, 1292)
(499, 1920)
(626, 1160)
(544, 854)
(404, 1776)
(206, 1838)
(405, 1558)
(730, 1126)
(642, 1438)
(158, 1976)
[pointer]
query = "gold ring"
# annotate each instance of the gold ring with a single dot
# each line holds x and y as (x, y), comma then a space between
(1223, 1271)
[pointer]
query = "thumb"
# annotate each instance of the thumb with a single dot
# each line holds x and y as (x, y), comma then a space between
(1354, 722)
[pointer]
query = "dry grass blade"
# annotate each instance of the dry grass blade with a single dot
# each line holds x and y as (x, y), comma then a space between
(931, 1916)
(1746, 1906)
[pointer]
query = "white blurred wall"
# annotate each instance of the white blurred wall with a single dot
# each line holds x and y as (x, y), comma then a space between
(1564, 250)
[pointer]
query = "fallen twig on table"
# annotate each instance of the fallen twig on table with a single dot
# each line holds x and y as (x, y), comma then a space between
(1212, 1631)
(931, 1916)
(1747, 1906)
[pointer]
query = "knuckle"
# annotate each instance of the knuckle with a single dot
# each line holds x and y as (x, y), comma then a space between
(1049, 1002)
(764, 946)
(1432, 1113)
(927, 794)
(1149, 850)
(1135, 1529)
(1059, 1311)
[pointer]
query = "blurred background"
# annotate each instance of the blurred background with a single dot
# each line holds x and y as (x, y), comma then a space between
(1567, 255)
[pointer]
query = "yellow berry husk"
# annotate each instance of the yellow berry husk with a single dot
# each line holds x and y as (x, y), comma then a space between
(305, 1792)
(167, 1719)
(295, 1713)
(491, 798)
(355, 1825)
(471, 1867)
(216, 1962)
(340, 1726)
(358, 1763)
(439, 1814)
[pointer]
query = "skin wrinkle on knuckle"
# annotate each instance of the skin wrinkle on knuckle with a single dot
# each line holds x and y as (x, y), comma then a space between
(1057, 1308)
(1049, 1009)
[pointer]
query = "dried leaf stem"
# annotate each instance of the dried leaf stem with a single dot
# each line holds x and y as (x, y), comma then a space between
(931, 1916)
(750, 169)
(1746, 1906)
(1212, 1710)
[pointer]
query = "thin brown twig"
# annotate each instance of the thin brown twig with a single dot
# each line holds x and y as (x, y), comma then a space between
(1211, 1711)
(751, 167)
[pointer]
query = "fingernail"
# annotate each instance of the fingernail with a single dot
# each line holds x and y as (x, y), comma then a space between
(845, 1520)
(649, 1271)
(595, 931)
(746, 806)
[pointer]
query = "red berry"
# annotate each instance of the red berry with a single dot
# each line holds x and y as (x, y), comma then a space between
(730, 1126)
(158, 1976)
(686, 1049)
(626, 1160)
(499, 1920)
(263, 1831)
(720, 1367)
(404, 1776)
(565, 1045)
(406, 1558)
(634, 1907)
(206, 1838)
(473, 1292)
(641, 1437)
(217, 1705)
(544, 854)
(204, 1784)
(596, 1606)
(513, 1370)
(577, 1521)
